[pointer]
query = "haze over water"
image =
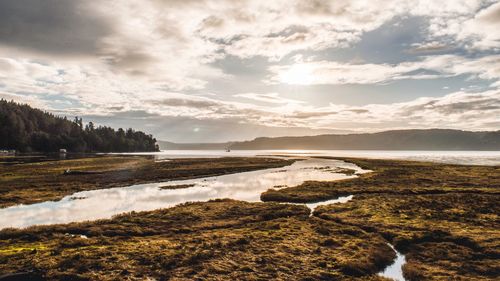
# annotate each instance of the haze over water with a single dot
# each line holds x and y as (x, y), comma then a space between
(452, 157)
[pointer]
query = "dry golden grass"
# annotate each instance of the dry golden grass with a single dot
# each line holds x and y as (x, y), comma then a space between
(217, 240)
(43, 181)
(444, 218)
(396, 177)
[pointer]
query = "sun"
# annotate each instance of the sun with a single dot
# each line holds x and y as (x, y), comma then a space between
(297, 74)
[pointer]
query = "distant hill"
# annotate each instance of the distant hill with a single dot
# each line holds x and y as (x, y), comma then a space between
(27, 129)
(431, 139)
(193, 146)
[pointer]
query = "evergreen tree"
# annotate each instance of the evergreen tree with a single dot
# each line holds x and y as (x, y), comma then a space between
(26, 129)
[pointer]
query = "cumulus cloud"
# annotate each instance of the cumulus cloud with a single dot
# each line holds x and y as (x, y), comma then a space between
(482, 30)
(459, 110)
(474, 111)
(273, 98)
(104, 58)
(330, 72)
(172, 43)
(141, 41)
(274, 29)
(103, 97)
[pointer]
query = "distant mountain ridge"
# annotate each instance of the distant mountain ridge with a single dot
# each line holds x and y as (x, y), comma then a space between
(426, 139)
(193, 146)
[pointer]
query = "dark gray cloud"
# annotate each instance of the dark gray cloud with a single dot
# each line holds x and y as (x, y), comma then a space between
(320, 7)
(478, 103)
(55, 27)
(307, 115)
(131, 61)
(359, 111)
(188, 103)
(468, 106)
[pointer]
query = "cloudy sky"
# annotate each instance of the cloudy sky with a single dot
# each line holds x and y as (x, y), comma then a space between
(205, 71)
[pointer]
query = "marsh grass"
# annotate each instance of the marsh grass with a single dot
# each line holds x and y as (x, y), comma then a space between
(216, 240)
(444, 218)
(30, 183)
(396, 177)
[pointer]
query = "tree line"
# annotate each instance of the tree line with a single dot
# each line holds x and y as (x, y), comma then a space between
(28, 129)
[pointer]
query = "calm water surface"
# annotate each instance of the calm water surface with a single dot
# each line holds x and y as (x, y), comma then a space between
(246, 186)
(395, 270)
(452, 157)
(104, 203)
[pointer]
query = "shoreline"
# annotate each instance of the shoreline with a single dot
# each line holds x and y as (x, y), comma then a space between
(419, 207)
(46, 181)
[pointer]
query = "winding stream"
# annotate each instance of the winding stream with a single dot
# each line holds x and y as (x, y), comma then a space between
(395, 270)
(104, 203)
(246, 186)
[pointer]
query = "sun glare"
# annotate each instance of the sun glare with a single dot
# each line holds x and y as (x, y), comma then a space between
(298, 74)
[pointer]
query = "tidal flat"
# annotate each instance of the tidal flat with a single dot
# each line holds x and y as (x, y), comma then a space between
(29, 183)
(216, 240)
(443, 218)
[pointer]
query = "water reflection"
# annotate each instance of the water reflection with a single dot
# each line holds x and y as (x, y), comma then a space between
(395, 270)
(104, 203)
(452, 157)
(342, 199)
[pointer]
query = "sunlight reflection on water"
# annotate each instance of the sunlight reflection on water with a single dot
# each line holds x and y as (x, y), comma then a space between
(104, 203)
(452, 157)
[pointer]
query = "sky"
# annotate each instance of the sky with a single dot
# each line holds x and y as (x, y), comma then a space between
(221, 70)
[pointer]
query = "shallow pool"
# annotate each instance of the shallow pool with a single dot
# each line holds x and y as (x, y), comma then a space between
(104, 203)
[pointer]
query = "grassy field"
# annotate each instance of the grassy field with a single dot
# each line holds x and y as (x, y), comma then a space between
(444, 218)
(444, 236)
(29, 183)
(218, 240)
(396, 177)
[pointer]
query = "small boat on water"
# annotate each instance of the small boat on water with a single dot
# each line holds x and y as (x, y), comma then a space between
(228, 150)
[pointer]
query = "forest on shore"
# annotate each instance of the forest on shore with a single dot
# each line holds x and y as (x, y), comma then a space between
(28, 129)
